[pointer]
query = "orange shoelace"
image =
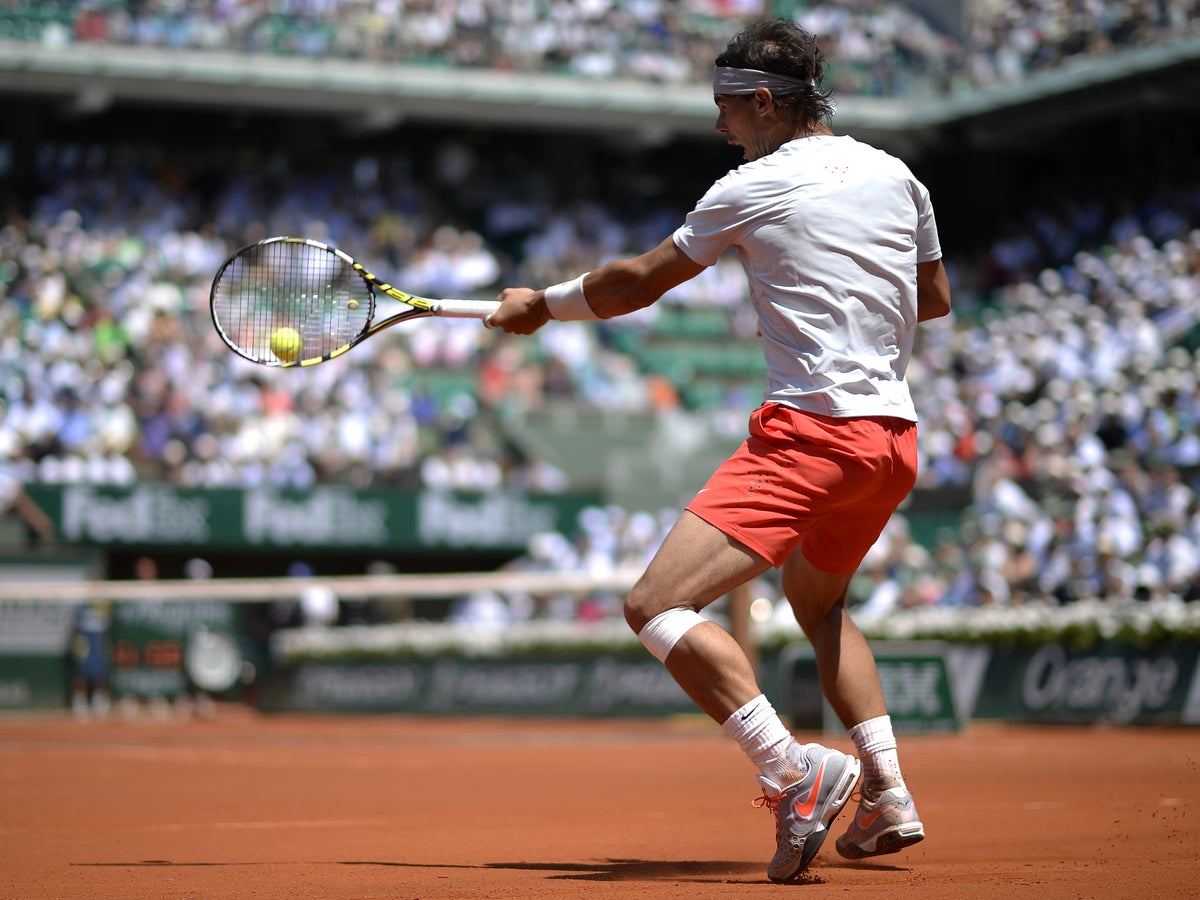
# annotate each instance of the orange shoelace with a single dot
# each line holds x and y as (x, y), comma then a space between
(771, 803)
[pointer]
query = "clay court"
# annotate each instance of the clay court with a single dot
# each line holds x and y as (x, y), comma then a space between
(244, 805)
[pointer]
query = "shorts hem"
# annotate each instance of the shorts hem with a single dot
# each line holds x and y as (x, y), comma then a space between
(775, 560)
(834, 571)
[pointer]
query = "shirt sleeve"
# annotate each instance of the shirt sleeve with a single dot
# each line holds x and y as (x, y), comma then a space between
(709, 228)
(929, 247)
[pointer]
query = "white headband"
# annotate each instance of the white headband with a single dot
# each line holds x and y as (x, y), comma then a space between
(728, 80)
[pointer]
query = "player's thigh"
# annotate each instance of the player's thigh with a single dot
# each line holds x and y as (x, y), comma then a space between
(696, 564)
(811, 592)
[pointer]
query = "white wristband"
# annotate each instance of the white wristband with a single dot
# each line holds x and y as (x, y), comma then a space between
(567, 303)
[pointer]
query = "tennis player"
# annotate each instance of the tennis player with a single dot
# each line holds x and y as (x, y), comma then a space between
(841, 252)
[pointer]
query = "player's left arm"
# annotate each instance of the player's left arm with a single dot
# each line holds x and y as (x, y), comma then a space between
(933, 291)
(619, 287)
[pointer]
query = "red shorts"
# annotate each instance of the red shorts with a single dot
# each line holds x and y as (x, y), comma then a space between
(800, 479)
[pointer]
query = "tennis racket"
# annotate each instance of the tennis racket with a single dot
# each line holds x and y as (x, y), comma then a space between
(288, 301)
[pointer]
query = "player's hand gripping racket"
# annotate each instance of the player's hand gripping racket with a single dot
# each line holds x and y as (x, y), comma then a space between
(288, 301)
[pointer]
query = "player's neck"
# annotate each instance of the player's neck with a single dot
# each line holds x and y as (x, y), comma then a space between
(816, 129)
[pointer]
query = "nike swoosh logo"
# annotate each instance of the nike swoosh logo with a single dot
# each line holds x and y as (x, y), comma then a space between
(869, 819)
(805, 810)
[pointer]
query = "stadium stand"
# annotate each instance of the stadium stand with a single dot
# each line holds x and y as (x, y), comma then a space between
(883, 48)
(1061, 397)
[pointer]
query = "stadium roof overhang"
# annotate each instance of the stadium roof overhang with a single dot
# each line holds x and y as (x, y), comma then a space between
(379, 96)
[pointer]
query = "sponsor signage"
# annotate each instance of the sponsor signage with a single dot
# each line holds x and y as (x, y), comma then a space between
(915, 676)
(1108, 682)
(323, 518)
(593, 686)
(33, 655)
(933, 686)
(150, 644)
(33, 681)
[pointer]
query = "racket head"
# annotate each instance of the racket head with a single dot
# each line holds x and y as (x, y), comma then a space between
(313, 289)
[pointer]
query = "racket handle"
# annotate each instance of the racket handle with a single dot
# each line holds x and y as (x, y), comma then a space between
(465, 309)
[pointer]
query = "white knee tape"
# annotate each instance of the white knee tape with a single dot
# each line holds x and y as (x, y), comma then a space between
(665, 630)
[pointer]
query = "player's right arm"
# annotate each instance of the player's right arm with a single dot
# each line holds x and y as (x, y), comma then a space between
(619, 287)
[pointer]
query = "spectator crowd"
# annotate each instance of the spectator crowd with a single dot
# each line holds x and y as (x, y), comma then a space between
(1062, 395)
(880, 47)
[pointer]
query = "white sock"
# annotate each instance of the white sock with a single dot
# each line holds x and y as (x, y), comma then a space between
(876, 746)
(764, 738)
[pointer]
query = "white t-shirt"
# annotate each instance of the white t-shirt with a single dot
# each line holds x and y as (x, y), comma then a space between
(829, 231)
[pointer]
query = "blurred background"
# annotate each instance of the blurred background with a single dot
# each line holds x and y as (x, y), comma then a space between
(459, 147)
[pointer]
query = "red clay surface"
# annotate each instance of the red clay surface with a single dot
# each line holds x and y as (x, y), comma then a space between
(391, 807)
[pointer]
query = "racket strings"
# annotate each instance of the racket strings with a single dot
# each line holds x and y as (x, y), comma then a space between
(271, 288)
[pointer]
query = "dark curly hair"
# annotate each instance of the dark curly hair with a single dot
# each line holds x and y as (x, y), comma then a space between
(782, 47)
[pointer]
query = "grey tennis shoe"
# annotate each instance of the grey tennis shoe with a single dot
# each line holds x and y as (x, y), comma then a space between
(885, 825)
(804, 810)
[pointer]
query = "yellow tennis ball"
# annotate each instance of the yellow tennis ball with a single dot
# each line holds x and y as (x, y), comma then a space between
(353, 304)
(285, 343)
